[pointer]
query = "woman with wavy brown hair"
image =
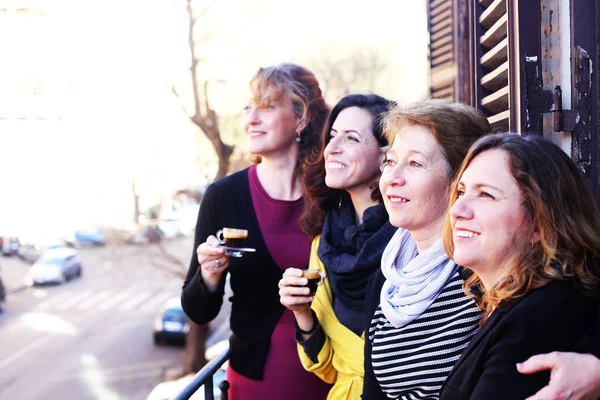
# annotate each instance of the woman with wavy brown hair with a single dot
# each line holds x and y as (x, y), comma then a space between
(350, 227)
(524, 222)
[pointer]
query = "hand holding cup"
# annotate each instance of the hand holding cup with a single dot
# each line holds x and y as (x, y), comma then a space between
(212, 260)
(297, 287)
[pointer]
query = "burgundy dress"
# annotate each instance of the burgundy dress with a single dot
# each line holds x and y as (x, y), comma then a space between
(284, 376)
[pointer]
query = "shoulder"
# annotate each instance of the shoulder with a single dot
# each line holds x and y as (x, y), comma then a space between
(551, 298)
(233, 180)
(236, 181)
(554, 307)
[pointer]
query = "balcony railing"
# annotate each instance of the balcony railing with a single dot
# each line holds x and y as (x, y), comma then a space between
(204, 377)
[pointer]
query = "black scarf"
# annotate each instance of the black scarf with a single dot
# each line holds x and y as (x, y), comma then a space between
(351, 254)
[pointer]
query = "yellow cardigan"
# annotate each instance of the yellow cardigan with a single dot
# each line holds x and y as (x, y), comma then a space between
(342, 357)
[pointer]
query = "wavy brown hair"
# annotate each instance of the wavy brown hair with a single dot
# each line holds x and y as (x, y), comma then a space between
(319, 198)
(561, 210)
(302, 87)
(455, 126)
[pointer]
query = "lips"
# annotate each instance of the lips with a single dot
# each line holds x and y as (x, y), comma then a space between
(255, 134)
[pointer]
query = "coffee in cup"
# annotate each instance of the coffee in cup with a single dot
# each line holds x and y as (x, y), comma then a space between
(234, 239)
(315, 278)
(230, 237)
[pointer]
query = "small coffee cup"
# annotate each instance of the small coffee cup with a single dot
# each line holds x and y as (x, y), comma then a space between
(315, 278)
(233, 239)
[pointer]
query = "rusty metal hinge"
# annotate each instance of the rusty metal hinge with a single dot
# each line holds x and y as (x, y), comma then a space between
(540, 101)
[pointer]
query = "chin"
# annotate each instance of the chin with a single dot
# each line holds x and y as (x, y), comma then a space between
(334, 184)
(397, 222)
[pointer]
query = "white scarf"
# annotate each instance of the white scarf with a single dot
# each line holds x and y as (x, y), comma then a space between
(413, 281)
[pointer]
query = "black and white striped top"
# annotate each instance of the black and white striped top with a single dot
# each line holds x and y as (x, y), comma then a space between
(412, 362)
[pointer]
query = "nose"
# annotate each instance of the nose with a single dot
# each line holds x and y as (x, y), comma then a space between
(333, 147)
(461, 209)
(392, 176)
(252, 116)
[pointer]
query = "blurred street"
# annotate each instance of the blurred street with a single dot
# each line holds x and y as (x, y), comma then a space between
(91, 337)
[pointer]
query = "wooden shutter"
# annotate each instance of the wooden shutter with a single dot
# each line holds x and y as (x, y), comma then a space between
(443, 69)
(493, 60)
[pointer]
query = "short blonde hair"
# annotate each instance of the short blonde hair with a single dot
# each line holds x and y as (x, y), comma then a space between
(455, 126)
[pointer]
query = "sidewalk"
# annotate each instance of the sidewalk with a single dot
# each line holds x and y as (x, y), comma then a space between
(14, 273)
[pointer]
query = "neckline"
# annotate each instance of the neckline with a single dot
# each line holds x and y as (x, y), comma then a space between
(253, 175)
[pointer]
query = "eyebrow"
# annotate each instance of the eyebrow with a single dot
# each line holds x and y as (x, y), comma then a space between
(348, 131)
(480, 185)
(418, 152)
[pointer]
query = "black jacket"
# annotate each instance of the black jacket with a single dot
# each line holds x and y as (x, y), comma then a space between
(255, 308)
(371, 388)
(554, 317)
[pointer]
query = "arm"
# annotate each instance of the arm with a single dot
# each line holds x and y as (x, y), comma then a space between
(202, 294)
(574, 376)
(315, 350)
(371, 388)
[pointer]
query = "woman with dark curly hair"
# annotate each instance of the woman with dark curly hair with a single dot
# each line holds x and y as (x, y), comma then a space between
(525, 223)
(284, 119)
(346, 217)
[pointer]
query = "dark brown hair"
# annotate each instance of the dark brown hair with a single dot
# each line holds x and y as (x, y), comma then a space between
(455, 126)
(321, 199)
(561, 211)
(302, 87)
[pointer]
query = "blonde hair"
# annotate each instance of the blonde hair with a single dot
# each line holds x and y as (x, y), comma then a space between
(455, 126)
(302, 88)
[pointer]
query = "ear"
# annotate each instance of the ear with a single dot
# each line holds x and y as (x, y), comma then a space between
(301, 124)
(535, 238)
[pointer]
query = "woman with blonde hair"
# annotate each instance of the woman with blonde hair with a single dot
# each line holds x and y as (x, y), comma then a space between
(524, 222)
(284, 120)
(418, 319)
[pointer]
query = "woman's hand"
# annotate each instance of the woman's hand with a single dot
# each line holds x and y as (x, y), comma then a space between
(293, 292)
(213, 262)
(573, 376)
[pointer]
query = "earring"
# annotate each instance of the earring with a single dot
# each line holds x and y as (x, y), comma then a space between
(340, 203)
(298, 138)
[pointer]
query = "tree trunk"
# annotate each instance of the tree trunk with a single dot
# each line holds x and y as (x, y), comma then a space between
(136, 203)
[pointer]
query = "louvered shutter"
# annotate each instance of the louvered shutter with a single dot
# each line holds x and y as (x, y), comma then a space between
(493, 57)
(442, 60)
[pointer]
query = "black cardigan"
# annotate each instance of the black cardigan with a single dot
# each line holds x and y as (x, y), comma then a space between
(255, 308)
(371, 388)
(554, 317)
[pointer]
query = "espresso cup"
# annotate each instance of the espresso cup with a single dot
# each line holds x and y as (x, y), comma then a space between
(315, 278)
(233, 238)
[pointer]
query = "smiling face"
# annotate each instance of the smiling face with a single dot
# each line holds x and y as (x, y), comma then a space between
(488, 220)
(271, 125)
(352, 156)
(415, 182)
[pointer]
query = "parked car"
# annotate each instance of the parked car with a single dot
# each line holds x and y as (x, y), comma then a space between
(10, 245)
(81, 238)
(171, 324)
(56, 265)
